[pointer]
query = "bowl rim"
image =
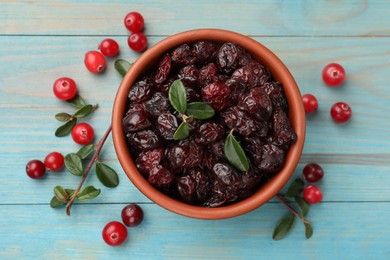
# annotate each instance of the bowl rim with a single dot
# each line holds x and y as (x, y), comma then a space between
(279, 71)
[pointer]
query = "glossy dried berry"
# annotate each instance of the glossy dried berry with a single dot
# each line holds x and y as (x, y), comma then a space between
(189, 75)
(135, 120)
(239, 120)
(210, 132)
(167, 125)
(160, 176)
(226, 174)
(146, 160)
(246, 75)
(144, 140)
(163, 69)
(283, 135)
(205, 51)
(182, 56)
(186, 154)
(271, 159)
(276, 94)
(217, 95)
(228, 58)
(158, 104)
(141, 91)
(207, 74)
(260, 72)
(256, 103)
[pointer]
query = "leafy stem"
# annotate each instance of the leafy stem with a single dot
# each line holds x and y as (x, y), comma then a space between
(293, 211)
(94, 159)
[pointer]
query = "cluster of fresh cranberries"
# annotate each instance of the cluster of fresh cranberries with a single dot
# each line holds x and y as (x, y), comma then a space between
(333, 75)
(36, 169)
(115, 233)
(312, 173)
(134, 22)
(95, 61)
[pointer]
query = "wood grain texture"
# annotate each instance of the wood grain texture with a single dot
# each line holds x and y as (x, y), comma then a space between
(41, 41)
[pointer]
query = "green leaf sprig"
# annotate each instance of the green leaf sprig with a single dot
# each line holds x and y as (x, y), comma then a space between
(70, 120)
(235, 154)
(198, 110)
(285, 224)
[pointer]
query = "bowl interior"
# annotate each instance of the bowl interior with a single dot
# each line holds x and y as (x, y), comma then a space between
(280, 73)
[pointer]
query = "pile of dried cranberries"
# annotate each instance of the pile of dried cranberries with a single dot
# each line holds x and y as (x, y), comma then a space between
(245, 99)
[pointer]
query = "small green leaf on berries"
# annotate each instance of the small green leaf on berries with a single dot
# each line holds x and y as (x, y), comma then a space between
(295, 188)
(84, 111)
(200, 110)
(308, 230)
(66, 128)
(63, 117)
(235, 154)
(85, 151)
(106, 175)
(77, 101)
(283, 227)
(182, 132)
(55, 203)
(88, 193)
(61, 194)
(73, 164)
(302, 205)
(122, 66)
(177, 96)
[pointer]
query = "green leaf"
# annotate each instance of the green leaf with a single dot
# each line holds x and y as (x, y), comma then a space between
(122, 66)
(63, 117)
(77, 101)
(200, 110)
(84, 111)
(106, 175)
(73, 164)
(61, 194)
(235, 154)
(177, 96)
(283, 227)
(88, 193)
(302, 204)
(70, 192)
(86, 150)
(308, 230)
(66, 128)
(182, 132)
(296, 188)
(55, 203)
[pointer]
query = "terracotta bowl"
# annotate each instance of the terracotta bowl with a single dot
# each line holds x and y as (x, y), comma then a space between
(280, 73)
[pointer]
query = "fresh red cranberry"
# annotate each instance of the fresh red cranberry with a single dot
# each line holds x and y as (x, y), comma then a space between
(35, 169)
(82, 133)
(341, 112)
(312, 194)
(132, 215)
(333, 74)
(137, 41)
(114, 233)
(95, 61)
(64, 88)
(134, 22)
(310, 103)
(54, 161)
(109, 47)
(312, 172)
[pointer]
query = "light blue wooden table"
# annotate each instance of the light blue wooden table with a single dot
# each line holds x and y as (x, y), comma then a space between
(43, 40)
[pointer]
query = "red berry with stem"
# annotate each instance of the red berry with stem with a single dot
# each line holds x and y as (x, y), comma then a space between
(134, 22)
(312, 194)
(82, 133)
(137, 42)
(109, 47)
(114, 233)
(132, 215)
(310, 103)
(95, 61)
(35, 169)
(64, 88)
(312, 172)
(54, 161)
(333, 74)
(341, 112)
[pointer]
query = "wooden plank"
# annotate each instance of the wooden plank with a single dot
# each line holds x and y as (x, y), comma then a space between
(268, 17)
(341, 231)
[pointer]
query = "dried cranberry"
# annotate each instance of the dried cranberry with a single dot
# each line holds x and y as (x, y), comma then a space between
(163, 69)
(261, 73)
(257, 103)
(160, 176)
(272, 159)
(276, 94)
(135, 120)
(210, 132)
(217, 148)
(234, 118)
(194, 186)
(164, 87)
(250, 179)
(166, 125)
(204, 51)
(186, 154)
(237, 87)
(189, 75)
(144, 140)
(158, 104)
(207, 74)
(186, 186)
(182, 56)
(141, 91)
(217, 95)
(228, 58)
(148, 159)
(226, 174)
(283, 135)
(246, 75)
(193, 94)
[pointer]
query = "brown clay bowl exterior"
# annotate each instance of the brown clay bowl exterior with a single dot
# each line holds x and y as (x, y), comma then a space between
(296, 115)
